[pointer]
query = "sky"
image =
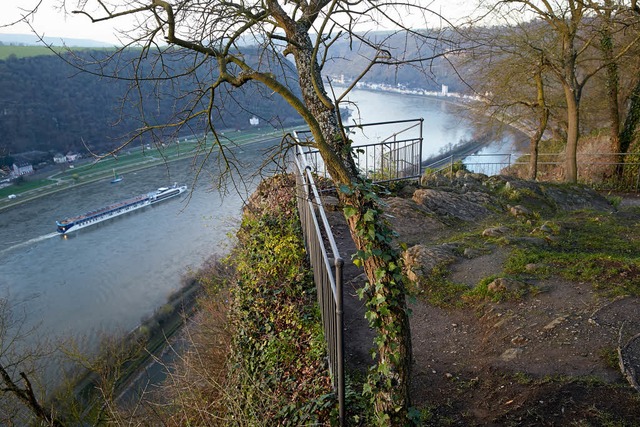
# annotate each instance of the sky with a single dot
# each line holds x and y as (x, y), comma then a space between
(52, 22)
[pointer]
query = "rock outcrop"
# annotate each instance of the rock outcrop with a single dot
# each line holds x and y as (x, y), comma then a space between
(468, 198)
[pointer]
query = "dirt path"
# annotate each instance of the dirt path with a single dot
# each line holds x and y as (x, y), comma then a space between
(549, 359)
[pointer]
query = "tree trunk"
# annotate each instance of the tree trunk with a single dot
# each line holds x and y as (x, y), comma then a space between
(612, 82)
(386, 307)
(543, 119)
(612, 99)
(571, 90)
(631, 122)
(573, 134)
(385, 293)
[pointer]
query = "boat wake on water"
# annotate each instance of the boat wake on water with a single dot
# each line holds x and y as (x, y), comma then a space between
(29, 242)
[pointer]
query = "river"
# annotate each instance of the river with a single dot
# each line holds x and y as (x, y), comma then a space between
(107, 277)
(447, 122)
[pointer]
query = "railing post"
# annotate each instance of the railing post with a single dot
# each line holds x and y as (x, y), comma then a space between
(340, 340)
(420, 150)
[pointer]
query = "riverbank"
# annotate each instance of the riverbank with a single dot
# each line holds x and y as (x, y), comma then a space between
(89, 171)
(256, 349)
(143, 347)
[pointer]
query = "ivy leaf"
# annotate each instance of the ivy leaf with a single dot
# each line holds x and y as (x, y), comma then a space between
(345, 189)
(349, 211)
(366, 388)
(369, 215)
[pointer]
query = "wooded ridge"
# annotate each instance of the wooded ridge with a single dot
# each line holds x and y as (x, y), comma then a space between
(47, 104)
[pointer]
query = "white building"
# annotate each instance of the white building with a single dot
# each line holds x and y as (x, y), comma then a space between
(72, 157)
(254, 121)
(22, 168)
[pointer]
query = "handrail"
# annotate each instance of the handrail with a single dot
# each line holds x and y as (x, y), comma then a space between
(327, 271)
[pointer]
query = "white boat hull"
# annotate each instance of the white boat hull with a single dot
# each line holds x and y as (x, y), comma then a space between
(112, 211)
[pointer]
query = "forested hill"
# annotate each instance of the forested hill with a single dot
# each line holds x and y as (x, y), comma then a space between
(349, 57)
(48, 105)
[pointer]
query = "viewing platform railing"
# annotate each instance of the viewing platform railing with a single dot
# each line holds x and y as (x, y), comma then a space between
(594, 169)
(397, 157)
(326, 264)
(390, 158)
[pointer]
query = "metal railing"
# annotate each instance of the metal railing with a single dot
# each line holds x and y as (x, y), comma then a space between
(327, 270)
(395, 157)
(594, 169)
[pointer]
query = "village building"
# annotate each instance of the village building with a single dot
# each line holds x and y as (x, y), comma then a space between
(22, 168)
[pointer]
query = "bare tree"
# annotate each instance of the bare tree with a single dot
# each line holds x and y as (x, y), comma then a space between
(18, 367)
(632, 117)
(510, 77)
(568, 54)
(564, 20)
(616, 26)
(215, 37)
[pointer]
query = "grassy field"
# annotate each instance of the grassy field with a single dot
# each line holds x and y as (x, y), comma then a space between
(127, 160)
(25, 51)
(30, 51)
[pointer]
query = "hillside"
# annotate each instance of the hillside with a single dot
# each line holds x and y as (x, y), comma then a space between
(47, 104)
(522, 295)
(349, 57)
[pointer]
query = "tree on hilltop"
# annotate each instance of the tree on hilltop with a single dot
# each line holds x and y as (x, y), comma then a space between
(577, 42)
(212, 38)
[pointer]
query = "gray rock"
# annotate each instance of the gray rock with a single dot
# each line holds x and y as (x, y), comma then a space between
(495, 232)
(554, 323)
(502, 284)
(465, 207)
(510, 354)
(472, 253)
(546, 229)
(519, 211)
(571, 198)
(420, 260)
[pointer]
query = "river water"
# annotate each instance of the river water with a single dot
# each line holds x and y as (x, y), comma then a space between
(447, 123)
(109, 276)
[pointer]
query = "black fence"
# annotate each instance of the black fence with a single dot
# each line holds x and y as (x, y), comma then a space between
(395, 154)
(595, 169)
(327, 270)
(394, 157)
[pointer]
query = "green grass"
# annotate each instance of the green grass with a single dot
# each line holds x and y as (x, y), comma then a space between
(592, 247)
(24, 187)
(25, 51)
(134, 158)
